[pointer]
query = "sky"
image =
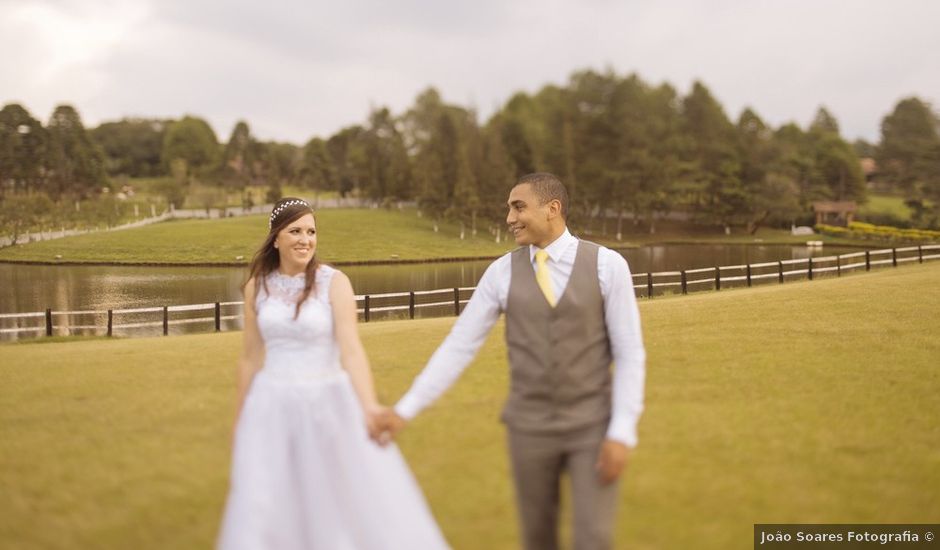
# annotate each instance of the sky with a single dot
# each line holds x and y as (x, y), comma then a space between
(295, 69)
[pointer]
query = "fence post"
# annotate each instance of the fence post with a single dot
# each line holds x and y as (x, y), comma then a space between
(717, 279)
(920, 254)
(366, 308)
(110, 321)
(166, 320)
(411, 305)
(649, 284)
(809, 271)
(867, 261)
(48, 322)
(894, 257)
(838, 266)
(685, 287)
(748, 275)
(780, 268)
(218, 317)
(456, 302)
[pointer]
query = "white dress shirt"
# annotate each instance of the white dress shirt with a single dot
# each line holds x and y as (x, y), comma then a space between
(489, 301)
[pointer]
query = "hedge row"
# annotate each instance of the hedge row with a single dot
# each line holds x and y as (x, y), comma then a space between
(860, 230)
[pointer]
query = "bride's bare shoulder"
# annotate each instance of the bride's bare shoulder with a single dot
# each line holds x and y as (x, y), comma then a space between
(250, 290)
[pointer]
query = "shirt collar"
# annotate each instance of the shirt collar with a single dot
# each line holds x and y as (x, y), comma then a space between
(556, 248)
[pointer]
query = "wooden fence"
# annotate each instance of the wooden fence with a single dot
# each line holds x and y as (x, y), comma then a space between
(450, 300)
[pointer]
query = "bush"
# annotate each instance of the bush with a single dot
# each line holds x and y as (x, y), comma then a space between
(862, 230)
(172, 190)
(888, 219)
(20, 214)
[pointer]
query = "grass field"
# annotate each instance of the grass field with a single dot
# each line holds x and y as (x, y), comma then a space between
(344, 235)
(888, 205)
(799, 403)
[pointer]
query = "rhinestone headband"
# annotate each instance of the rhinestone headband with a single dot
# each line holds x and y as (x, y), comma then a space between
(280, 208)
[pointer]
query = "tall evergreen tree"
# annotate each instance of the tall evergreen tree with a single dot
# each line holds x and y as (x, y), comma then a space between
(279, 161)
(23, 150)
(771, 196)
(836, 162)
(515, 141)
(432, 136)
(824, 121)
(317, 172)
(712, 140)
(498, 173)
(76, 164)
(238, 158)
(192, 141)
(132, 147)
(466, 202)
(518, 128)
(246, 162)
(661, 189)
(795, 159)
(597, 135)
(551, 125)
(863, 148)
(388, 169)
(909, 156)
(644, 162)
(348, 158)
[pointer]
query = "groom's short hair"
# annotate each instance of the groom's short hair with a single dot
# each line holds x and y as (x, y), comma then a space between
(547, 187)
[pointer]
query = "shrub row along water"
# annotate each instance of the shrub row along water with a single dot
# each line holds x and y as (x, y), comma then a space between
(860, 230)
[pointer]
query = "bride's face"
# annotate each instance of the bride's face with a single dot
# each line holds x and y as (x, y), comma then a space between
(297, 242)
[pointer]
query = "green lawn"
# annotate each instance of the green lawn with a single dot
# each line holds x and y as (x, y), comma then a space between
(812, 402)
(344, 235)
(888, 205)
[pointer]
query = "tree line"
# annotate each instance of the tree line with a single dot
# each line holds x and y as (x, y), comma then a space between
(627, 150)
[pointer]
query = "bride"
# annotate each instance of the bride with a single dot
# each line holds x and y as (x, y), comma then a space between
(305, 474)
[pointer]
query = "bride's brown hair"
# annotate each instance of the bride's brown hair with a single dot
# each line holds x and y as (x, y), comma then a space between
(286, 211)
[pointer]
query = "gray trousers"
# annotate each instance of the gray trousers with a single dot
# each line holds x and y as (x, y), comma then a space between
(538, 461)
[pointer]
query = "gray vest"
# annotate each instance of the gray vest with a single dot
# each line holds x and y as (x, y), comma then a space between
(559, 358)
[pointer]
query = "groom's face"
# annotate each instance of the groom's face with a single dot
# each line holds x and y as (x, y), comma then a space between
(528, 219)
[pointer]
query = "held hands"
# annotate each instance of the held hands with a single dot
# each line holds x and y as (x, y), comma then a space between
(383, 424)
(611, 461)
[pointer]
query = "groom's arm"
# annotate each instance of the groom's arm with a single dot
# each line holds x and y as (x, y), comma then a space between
(462, 344)
(626, 343)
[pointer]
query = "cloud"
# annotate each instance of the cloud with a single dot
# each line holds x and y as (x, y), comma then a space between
(54, 47)
(295, 68)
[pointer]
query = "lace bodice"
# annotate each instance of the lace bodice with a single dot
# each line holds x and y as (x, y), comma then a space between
(307, 342)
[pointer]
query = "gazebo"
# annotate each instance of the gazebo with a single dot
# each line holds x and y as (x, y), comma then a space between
(835, 212)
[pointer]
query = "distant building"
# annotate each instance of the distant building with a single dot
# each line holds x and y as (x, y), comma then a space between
(873, 178)
(835, 212)
(869, 167)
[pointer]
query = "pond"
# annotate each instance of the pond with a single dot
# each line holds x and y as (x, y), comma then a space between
(34, 288)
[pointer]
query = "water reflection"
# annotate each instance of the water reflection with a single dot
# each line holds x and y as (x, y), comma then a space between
(692, 256)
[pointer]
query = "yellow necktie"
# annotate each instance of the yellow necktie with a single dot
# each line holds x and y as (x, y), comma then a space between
(543, 278)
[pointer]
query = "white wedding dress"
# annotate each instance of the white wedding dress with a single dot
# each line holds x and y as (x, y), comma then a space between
(305, 474)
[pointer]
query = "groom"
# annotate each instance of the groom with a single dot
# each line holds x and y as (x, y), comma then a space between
(570, 313)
